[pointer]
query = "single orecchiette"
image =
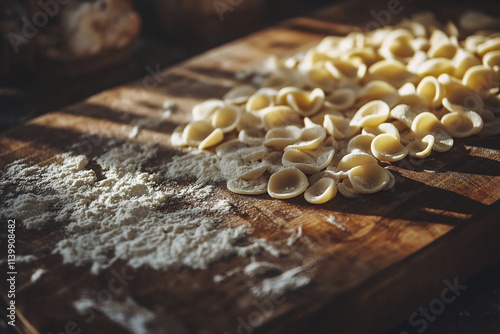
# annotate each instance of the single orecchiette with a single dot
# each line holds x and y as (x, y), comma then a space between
(287, 183)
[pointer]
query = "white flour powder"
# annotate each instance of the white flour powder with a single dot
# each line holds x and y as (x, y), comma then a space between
(129, 214)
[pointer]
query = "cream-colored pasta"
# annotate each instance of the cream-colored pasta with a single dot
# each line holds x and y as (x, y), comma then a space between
(195, 132)
(309, 162)
(321, 191)
(427, 123)
(492, 59)
(346, 189)
(248, 187)
(279, 116)
(463, 60)
(226, 118)
(488, 45)
(431, 90)
(252, 136)
(338, 126)
(204, 110)
(310, 138)
(176, 139)
(303, 102)
(351, 102)
(368, 179)
(341, 99)
(435, 67)
(462, 124)
(386, 147)
(480, 78)
(360, 143)
(273, 161)
(371, 114)
(355, 159)
(287, 183)
(391, 71)
(263, 98)
(239, 94)
(346, 72)
(397, 44)
(388, 128)
(214, 138)
(279, 138)
(421, 147)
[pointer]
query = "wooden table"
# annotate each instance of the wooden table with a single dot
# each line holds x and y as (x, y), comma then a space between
(393, 252)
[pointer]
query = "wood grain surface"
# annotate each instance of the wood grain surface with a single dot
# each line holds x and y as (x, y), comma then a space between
(391, 253)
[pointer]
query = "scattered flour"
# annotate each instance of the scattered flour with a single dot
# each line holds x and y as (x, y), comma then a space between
(257, 269)
(291, 279)
(332, 220)
(37, 274)
(129, 214)
(296, 234)
(127, 314)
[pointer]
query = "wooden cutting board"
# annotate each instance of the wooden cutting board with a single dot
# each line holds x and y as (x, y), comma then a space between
(390, 252)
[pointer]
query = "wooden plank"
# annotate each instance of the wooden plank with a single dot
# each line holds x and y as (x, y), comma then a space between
(390, 255)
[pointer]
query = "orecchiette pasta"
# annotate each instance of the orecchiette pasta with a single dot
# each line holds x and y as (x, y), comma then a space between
(339, 110)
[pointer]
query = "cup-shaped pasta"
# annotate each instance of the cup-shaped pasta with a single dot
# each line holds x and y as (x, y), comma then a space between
(388, 128)
(435, 67)
(450, 83)
(418, 59)
(421, 147)
(251, 136)
(462, 124)
(273, 161)
(204, 110)
(249, 120)
(281, 137)
(341, 99)
(403, 113)
(367, 56)
(355, 159)
(177, 139)
(231, 148)
(263, 98)
(346, 189)
(431, 90)
(214, 138)
(338, 126)
(492, 59)
(347, 71)
(397, 44)
(463, 60)
(420, 44)
(427, 123)
(309, 162)
(320, 77)
(250, 171)
(368, 179)
(279, 116)
(391, 182)
(248, 187)
(391, 71)
(195, 132)
(239, 94)
(226, 118)
(480, 78)
(360, 143)
(488, 45)
(371, 114)
(303, 102)
(287, 183)
(443, 50)
(310, 138)
(321, 191)
(379, 90)
(386, 147)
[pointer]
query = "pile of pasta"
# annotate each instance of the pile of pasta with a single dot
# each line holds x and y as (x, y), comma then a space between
(329, 119)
